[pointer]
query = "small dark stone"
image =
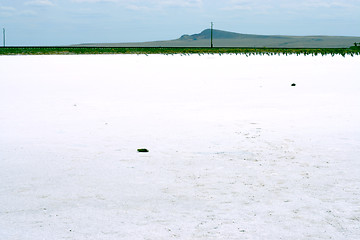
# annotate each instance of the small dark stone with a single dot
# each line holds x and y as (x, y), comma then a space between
(142, 150)
(293, 85)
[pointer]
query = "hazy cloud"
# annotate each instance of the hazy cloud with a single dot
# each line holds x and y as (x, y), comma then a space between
(40, 3)
(327, 4)
(28, 13)
(288, 4)
(6, 11)
(148, 4)
(246, 5)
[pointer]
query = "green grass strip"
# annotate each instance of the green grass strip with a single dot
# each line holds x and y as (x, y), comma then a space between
(352, 51)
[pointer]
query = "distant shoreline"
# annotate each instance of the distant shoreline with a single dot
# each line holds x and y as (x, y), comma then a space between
(61, 50)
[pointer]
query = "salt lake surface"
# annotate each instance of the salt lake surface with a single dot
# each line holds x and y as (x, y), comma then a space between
(236, 152)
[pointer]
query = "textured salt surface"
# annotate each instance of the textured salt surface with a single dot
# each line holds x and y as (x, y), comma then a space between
(235, 151)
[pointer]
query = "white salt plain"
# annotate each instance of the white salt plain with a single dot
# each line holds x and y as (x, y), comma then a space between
(235, 151)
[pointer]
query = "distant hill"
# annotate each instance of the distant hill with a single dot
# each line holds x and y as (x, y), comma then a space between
(232, 39)
(206, 34)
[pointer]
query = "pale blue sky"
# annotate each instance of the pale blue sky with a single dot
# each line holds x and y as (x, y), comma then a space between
(63, 22)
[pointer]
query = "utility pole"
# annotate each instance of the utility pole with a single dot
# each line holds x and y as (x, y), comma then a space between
(212, 45)
(4, 36)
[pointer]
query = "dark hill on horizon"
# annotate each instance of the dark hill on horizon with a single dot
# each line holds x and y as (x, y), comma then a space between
(232, 39)
(206, 34)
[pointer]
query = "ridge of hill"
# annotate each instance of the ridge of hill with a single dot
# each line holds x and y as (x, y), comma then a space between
(206, 34)
(232, 39)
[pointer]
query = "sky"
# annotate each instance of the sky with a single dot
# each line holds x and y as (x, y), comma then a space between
(65, 22)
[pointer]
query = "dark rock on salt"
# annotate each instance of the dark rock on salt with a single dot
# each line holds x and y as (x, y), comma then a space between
(142, 150)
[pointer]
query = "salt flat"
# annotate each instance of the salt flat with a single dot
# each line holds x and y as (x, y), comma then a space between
(236, 152)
